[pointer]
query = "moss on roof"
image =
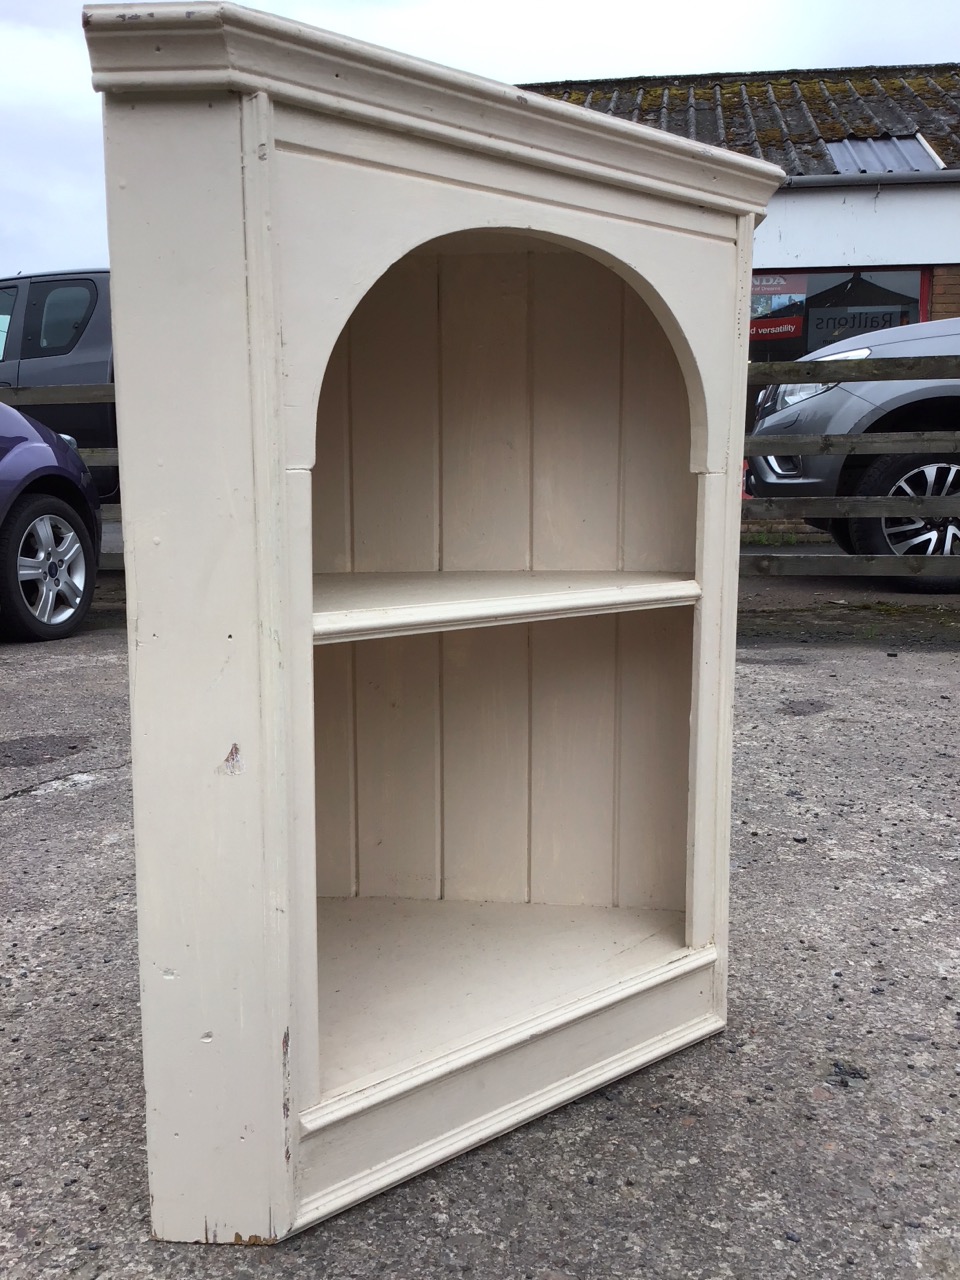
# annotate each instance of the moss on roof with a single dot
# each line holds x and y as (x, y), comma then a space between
(809, 108)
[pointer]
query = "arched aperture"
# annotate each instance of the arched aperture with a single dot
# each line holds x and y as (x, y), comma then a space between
(501, 401)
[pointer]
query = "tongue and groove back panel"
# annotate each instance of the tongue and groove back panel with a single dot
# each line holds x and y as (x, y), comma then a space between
(518, 410)
(494, 765)
(488, 411)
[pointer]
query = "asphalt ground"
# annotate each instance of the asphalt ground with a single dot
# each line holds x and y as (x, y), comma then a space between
(819, 1136)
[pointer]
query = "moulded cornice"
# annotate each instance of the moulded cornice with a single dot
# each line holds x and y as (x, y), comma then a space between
(219, 47)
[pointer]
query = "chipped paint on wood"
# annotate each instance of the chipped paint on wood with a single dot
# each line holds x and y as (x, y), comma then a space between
(233, 762)
(285, 1051)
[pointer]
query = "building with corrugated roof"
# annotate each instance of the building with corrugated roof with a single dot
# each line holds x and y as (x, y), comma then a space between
(865, 231)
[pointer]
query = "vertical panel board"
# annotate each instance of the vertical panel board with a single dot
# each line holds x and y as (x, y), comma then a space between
(656, 657)
(714, 637)
(659, 502)
(299, 699)
(485, 411)
(576, 325)
(704, 915)
(331, 474)
(398, 767)
(573, 732)
(485, 764)
(394, 390)
(334, 754)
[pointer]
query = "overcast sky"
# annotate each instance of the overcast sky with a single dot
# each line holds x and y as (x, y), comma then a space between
(51, 175)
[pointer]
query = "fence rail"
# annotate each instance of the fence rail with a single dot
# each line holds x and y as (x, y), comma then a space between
(81, 393)
(873, 442)
(859, 506)
(849, 508)
(894, 368)
(797, 565)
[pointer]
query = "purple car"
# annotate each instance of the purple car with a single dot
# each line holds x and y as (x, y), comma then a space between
(49, 531)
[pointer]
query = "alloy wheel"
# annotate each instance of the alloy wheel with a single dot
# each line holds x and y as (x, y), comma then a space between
(917, 535)
(51, 569)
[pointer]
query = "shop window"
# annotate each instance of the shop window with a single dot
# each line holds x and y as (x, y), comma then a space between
(795, 312)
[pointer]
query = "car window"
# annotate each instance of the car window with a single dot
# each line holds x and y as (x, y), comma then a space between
(57, 314)
(7, 298)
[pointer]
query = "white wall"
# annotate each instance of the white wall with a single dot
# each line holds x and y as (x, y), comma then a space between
(885, 225)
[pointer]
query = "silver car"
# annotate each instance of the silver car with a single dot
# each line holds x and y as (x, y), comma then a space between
(839, 408)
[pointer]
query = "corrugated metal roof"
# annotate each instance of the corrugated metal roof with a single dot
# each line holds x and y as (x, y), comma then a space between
(883, 155)
(788, 117)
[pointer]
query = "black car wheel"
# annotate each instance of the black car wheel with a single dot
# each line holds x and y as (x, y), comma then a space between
(47, 569)
(912, 475)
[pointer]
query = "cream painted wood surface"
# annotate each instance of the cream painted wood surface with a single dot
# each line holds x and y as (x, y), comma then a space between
(451, 729)
(335, 760)
(398, 767)
(332, 473)
(432, 1113)
(485, 765)
(486, 441)
(533, 391)
(655, 660)
(512, 965)
(353, 606)
(572, 756)
(394, 382)
(543, 763)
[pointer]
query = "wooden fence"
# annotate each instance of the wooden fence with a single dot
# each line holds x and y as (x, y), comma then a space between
(754, 509)
(841, 564)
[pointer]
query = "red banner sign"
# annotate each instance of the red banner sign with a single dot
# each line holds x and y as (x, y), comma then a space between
(770, 328)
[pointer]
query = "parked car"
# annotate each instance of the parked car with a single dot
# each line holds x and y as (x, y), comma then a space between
(49, 531)
(839, 408)
(55, 331)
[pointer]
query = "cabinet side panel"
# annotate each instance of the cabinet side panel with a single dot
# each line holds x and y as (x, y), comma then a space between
(485, 411)
(576, 324)
(573, 732)
(394, 392)
(659, 502)
(334, 752)
(485, 764)
(331, 474)
(398, 767)
(656, 665)
(210, 753)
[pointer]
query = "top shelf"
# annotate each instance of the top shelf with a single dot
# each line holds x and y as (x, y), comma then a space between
(361, 606)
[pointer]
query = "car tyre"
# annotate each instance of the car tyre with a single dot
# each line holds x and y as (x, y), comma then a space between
(47, 569)
(840, 533)
(919, 475)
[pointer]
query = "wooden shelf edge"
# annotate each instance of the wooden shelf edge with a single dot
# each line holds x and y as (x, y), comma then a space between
(372, 622)
(365, 1095)
(462, 1137)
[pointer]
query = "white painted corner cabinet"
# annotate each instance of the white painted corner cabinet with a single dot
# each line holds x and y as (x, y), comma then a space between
(430, 396)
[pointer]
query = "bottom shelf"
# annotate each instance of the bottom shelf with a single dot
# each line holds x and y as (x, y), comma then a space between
(444, 1024)
(408, 986)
